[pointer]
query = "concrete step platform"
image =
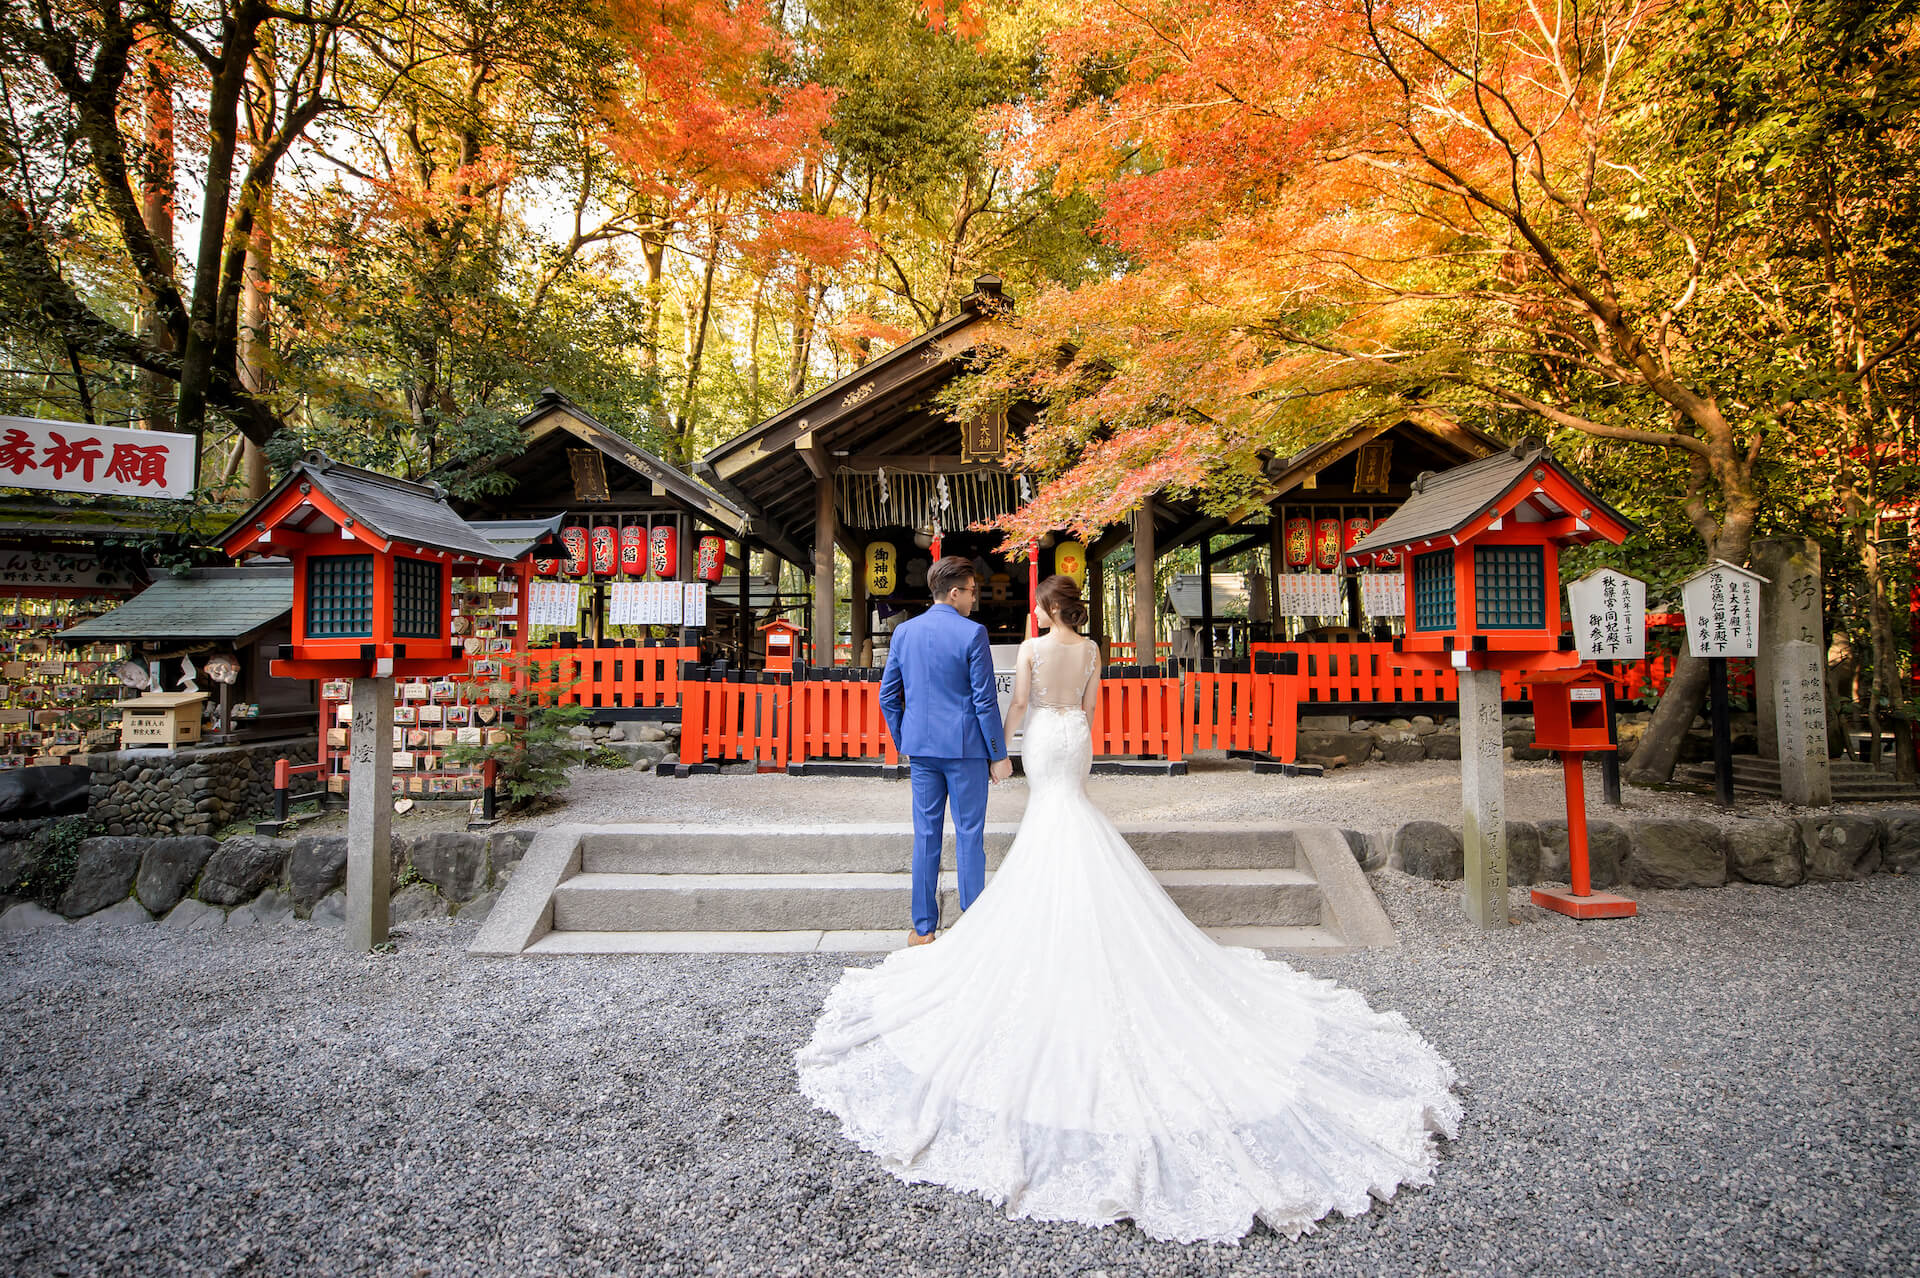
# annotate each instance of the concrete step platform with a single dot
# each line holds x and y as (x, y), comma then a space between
(1292, 940)
(888, 848)
(595, 902)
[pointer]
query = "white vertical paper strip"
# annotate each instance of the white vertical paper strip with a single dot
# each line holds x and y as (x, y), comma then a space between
(693, 612)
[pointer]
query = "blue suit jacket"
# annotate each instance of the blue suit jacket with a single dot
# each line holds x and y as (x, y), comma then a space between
(937, 693)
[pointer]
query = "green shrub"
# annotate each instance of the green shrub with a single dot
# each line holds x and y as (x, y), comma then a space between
(48, 873)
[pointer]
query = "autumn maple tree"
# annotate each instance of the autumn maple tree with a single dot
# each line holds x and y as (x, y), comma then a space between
(1548, 217)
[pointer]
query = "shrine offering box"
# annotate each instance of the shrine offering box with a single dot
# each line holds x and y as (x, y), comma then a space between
(167, 719)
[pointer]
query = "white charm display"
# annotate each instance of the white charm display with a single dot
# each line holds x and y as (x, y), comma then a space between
(1383, 594)
(1723, 611)
(1609, 611)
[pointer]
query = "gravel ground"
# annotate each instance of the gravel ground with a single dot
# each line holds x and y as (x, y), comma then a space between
(1373, 797)
(1724, 1085)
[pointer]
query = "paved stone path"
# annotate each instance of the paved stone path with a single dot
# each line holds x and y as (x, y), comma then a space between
(1724, 1085)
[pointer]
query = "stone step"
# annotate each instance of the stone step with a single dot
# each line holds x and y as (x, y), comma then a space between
(1865, 787)
(888, 848)
(853, 902)
(1295, 940)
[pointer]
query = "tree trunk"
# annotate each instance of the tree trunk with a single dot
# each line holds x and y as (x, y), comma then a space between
(156, 392)
(802, 332)
(256, 337)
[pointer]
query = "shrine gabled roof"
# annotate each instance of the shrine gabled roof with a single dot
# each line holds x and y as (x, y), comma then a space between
(515, 537)
(554, 410)
(210, 603)
(396, 510)
(1444, 504)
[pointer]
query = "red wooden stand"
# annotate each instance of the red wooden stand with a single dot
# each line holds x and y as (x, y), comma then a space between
(1580, 901)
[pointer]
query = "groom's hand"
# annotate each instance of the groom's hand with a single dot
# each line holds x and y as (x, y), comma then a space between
(1001, 770)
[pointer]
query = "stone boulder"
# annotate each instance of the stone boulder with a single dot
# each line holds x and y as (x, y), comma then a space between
(1900, 842)
(1676, 854)
(127, 912)
(417, 901)
(505, 848)
(1403, 748)
(330, 910)
(195, 916)
(1355, 747)
(316, 867)
(1766, 852)
(1520, 741)
(102, 876)
(476, 910)
(1523, 853)
(28, 917)
(169, 868)
(1607, 847)
(454, 862)
(1840, 848)
(1428, 850)
(269, 907)
(242, 868)
(1442, 745)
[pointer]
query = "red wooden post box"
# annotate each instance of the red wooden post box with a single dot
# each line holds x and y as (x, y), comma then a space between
(1570, 710)
(783, 641)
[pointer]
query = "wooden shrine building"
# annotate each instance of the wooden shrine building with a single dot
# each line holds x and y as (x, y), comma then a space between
(871, 459)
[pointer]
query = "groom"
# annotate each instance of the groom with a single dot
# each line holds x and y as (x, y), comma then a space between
(938, 697)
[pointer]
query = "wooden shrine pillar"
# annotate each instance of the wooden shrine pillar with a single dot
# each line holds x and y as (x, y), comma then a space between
(823, 570)
(857, 613)
(1276, 564)
(1143, 649)
(686, 529)
(745, 623)
(1206, 597)
(1097, 606)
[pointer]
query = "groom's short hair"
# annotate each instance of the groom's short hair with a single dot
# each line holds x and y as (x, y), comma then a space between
(947, 574)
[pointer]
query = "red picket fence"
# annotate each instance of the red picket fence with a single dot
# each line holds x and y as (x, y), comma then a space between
(835, 714)
(608, 677)
(1139, 713)
(733, 715)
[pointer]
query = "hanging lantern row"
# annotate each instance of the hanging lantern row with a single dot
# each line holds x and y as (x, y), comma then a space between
(635, 550)
(1310, 543)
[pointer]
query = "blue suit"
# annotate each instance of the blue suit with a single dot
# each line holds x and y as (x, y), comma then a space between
(939, 701)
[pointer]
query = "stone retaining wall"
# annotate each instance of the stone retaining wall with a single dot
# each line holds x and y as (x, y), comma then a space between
(195, 882)
(191, 791)
(1669, 853)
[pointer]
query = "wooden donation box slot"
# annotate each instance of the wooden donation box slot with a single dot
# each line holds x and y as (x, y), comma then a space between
(161, 719)
(1570, 710)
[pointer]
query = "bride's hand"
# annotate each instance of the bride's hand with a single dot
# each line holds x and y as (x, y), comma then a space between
(1001, 770)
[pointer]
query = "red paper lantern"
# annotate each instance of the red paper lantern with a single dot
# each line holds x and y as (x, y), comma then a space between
(606, 550)
(1326, 543)
(547, 567)
(710, 559)
(663, 551)
(1353, 532)
(633, 550)
(576, 542)
(1299, 542)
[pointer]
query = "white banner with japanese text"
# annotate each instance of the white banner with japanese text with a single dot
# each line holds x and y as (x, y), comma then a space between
(72, 457)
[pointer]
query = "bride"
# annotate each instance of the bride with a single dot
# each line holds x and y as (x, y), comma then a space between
(1074, 1049)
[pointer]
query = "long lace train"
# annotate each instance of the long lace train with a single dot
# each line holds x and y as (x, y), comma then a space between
(1074, 1049)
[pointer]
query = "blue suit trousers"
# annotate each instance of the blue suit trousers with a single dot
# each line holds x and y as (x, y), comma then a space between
(935, 783)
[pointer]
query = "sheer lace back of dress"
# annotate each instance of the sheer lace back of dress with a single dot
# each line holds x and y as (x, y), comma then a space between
(1059, 675)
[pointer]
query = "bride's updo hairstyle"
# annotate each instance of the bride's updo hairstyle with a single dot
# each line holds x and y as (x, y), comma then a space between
(1060, 596)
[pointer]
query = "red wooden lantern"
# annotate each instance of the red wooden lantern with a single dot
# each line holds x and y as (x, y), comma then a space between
(1351, 534)
(633, 550)
(710, 559)
(576, 542)
(1326, 543)
(663, 551)
(1299, 542)
(606, 550)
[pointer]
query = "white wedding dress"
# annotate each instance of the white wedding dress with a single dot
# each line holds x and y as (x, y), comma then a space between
(1074, 1049)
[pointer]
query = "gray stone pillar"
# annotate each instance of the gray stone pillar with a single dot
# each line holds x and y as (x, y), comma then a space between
(1799, 696)
(370, 815)
(1483, 796)
(1790, 605)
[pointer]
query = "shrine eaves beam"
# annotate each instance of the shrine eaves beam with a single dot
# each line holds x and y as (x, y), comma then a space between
(919, 464)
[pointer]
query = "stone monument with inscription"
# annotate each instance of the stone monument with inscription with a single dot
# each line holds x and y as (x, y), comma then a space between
(1790, 708)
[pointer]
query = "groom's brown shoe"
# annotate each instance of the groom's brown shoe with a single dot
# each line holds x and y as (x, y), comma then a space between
(919, 938)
